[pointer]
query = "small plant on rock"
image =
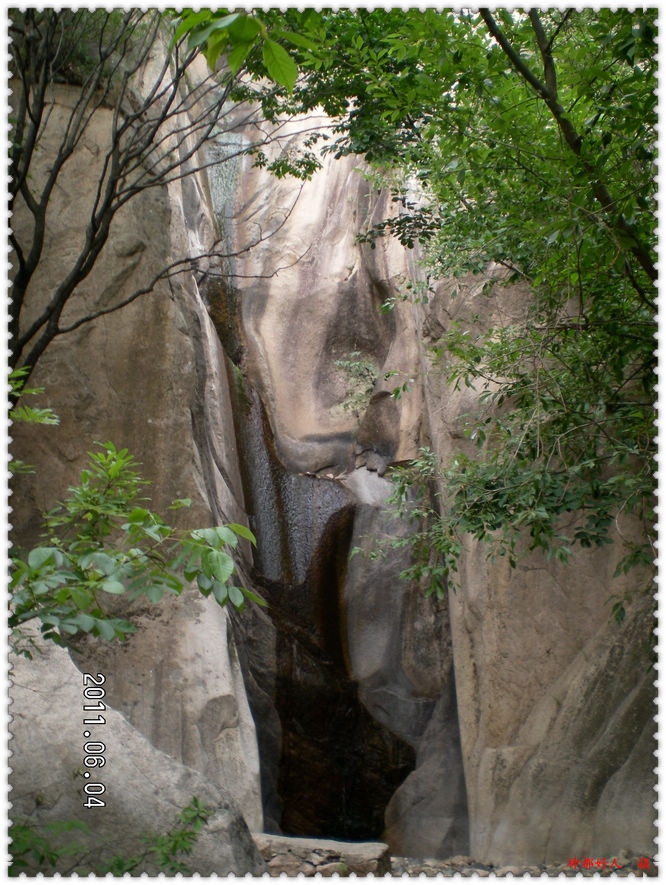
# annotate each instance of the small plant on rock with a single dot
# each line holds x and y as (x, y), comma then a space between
(41, 847)
(360, 376)
(103, 541)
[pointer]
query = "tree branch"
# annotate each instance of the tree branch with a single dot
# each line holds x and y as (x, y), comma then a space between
(512, 55)
(184, 265)
(571, 136)
(544, 45)
(563, 21)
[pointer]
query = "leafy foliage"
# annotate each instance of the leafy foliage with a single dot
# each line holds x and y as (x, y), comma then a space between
(103, 541)
(434, 544)
(263, 46)
(238, 33)
(566, 428)
(165, 849)
(42, 846)
(32, 846)
(532, 139)
(360, 376)
(26, 414)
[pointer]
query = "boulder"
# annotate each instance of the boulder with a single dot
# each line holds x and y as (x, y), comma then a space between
(528, 647)
(191, 702)
(292, 856)
(145, 789)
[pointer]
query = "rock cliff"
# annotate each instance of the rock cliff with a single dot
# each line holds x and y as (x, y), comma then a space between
(511, 721)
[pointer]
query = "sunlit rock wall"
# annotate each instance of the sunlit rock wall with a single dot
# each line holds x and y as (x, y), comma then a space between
(309, 297)
(554, 698)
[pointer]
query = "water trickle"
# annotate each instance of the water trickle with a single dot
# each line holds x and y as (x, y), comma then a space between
(338, 767)
(288, 512)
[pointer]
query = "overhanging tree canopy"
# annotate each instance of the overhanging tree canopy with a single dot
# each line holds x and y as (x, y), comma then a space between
(532, 137)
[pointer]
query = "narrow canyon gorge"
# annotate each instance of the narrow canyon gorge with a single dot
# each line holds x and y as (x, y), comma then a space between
(510, 721)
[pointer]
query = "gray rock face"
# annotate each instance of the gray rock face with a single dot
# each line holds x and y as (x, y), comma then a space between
(151, 377)
(570, 754)
(145, 789)
(429, 809)
(296, 326)
(308, 298)
(191, 701)
(527, 644)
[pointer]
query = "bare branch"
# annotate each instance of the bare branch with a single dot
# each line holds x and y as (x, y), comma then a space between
(156, 139)
(188, 264)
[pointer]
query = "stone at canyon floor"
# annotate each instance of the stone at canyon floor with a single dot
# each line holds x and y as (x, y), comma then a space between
(328, 857)
(295, 855)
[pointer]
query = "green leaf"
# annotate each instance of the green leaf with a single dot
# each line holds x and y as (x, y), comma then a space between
(84, 621)
(226, 21)
(154, 592)
(30, 415)
(253, 596)
(297, 39)
(155, 532)
(105, 629)
(218, 564)
(179, 503)
(280, 65)
(190, 22)
(121, 626)
(238, 55)
(184, 551)
(112, 585)
(105, 563)
(204, 582)
(245, 29)
(243, 532)
(214, 47)
(236, 597)
(174, 584)
(226, 534)
(80, 597)
(220, 592)
(38, 556)
(210, 536)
